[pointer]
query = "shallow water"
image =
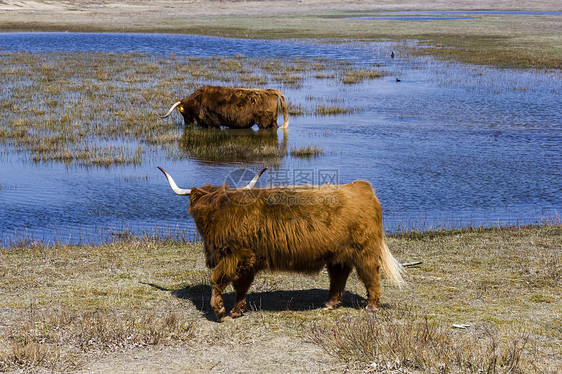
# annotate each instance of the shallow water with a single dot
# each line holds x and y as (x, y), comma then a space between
(409, 18)
(165, 44)
(505, 12)
(448, 145)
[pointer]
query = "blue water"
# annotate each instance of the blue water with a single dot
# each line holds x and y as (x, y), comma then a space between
(450, 144)
(492, 12)
(409, 18)
(165, 44)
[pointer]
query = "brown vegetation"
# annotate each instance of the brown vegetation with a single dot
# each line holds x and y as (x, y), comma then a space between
(145, 302)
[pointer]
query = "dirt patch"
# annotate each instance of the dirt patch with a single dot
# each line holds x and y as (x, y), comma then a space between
(265, 354)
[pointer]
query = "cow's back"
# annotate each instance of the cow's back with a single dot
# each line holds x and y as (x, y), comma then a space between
(298, 228)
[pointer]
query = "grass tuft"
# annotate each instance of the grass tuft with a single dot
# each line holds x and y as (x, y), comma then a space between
(400, 339)
(57, 338)
(306, 152)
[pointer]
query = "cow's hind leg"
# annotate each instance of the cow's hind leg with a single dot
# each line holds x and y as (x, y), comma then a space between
(338, 277)
(368, 268)
(266, 122)
(241, 286)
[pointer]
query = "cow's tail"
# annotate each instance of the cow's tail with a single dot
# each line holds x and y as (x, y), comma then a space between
(391, 267)
(281, 98)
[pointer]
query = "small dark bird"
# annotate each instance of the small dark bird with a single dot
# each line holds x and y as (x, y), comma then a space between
(392, 54)
(397, 80)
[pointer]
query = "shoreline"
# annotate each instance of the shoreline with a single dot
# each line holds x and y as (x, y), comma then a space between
(188, 237)
(503, 40)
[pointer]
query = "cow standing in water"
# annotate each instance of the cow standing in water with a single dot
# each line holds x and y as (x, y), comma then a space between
(237, 108)
(297, 228)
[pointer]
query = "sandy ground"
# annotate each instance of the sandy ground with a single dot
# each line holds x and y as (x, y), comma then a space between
(269, 355)
(162, 15)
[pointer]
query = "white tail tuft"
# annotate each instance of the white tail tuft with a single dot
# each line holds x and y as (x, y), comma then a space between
(391, 267)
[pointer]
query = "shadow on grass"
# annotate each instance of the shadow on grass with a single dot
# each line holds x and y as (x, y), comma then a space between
(272, 301)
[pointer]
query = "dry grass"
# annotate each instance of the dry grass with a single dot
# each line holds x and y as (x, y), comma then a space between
(306, 152)
(502, 283)
(61, 304)
(65, 306)
(59, 339)
(358, 76)
(401, 340)
(333, 110)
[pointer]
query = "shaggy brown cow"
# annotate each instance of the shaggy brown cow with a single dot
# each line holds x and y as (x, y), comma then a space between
(298, 228)
(238, 108)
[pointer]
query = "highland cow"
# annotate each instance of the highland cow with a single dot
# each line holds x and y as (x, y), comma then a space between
(237, 108)
(298, 229)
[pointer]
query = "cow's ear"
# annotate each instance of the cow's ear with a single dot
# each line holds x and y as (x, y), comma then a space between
(195, 194)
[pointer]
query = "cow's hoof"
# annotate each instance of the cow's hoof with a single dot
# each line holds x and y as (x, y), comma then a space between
(234, 315)
(220, 314)
(371, 308)
(330, 306)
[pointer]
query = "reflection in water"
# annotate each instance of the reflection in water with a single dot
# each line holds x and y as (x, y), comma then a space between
(234, 146)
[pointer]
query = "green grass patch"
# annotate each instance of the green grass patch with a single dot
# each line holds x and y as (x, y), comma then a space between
(306, 152)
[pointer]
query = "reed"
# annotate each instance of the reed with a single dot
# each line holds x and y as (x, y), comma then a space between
(333, 110)
(306, 152)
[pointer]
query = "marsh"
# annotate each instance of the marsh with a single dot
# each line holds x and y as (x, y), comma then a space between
(448, 145)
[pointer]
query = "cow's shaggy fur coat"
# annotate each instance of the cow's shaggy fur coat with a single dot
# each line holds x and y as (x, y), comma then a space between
(238, 108)
(299, 229)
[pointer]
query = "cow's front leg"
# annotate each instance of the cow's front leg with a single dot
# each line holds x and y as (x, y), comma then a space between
(338, 277)
(219, 281)
(241, 286)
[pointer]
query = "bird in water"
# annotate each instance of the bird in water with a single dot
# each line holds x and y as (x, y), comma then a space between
(392, 54)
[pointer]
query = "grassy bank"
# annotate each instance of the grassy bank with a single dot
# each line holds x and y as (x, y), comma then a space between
(520, 40)
(67, 307)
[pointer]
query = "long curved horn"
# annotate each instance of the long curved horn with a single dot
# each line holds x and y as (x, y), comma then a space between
(170, 111)
(174, 186)
(254, 181)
